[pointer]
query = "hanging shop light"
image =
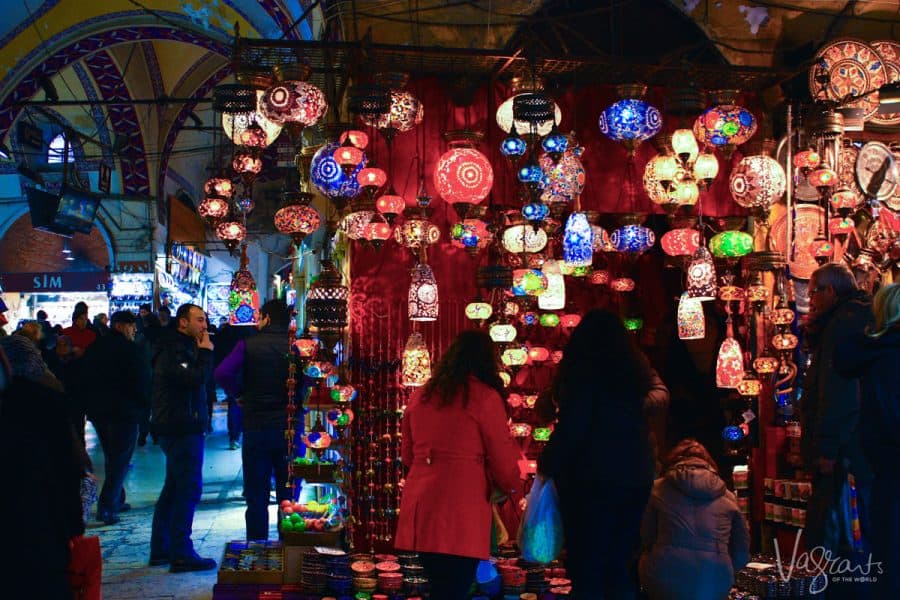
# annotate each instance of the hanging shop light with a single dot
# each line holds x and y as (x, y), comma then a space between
(502, 332)
(415, 234)
(554, 298)
(690, 317)
(701, 276)
(765, 365)
(231, 232)
(731, 244)
(416, 365)
(478, 310)
(680, 242)
(423, 294)
(630, 120)
(219, 187)
(727, 124)
(730, 362)
(371, 179)
(294, 103)
(563, 178)
(515, 356)
(348, 157)
(390, 205)
(213, 208)
(622, 285)
(328, 177)
(549, 320)
(405, 112)
(513, 147)
(247, 163)
(578, 241)
(600, 240)
(471, 234)
(524, 238)
(528, 282)
(555, 144)
(296, 217)
(463, 176)
(706, 167)
(757, 182)
(235, 124)
(326, 302)
(378, 231)
(632, 238)
(548, 115)
(358, 138)
(243, 298)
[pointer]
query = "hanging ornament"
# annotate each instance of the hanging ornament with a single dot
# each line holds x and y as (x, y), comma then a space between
(348, 157)
(730, 362)
(213, 208)
(555, 144)
(390, 205)
(231, 232)
(234, 124)
(415, 234)
(478, 310)
(757, 182)
(727, 124)
(318, 439)
(528, 282)
(371, 179)
(326, 303)
(549, 320)
(622, 284)
(294, 103)
(296, 217)
(405, 112)
(632, 238)
(416, 364)
(706, 167)
(502, 333)
(330, 179)
(513, 147)
(378, 231)
(691, 321)
(539, 122)
(219, 187)
(554, 298)
(731, 244)
(630, 120)
(564, 178)
(578, 241)
(423, 294)
(463, 176)
(243, 299)
(524, 238)
(354, 224)
(471, 234)
(680, 242)
(247, 163)
(701, 276)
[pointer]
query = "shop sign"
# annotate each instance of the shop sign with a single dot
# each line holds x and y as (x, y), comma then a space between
(49, 283)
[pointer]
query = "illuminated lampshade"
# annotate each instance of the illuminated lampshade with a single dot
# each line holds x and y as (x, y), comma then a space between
(390, 205)
(417, 233)
(524, 238)
(231, 232)
(416, 367)
(701, 276)
(510, 308)
(529, 318)
(685, 193)
(541, 434)
(784, 341)
(531, 174)
(319, 369)
(659, 172)
(343, 393)
(329, 178)
(758, 294)
(535, 211)
(504, 118)
(823, 178)
(348, 156)
(632, 238)
(293, 102)
(513, 147)
(306, 346)
(782, 316)
(691, 321)
(731, 293)
(297, 218)
(243, 299)
(807, 159)
(357, 138)
(622, 284)
(549, 320)
(339, 417)
(727, 124)
(839, 226)
(528, 282)
(570, 320)
(729, 364)
(470, 234)
(219, 187)
(502, 333)
(822, 249)
(514, 400)
(600, 240)
(633, 323)
(478, 310)
(234, 124)
(317, 439)
(530, 400)
(378, 232)
(354, 224)
(423, 294)
(731, 244)
(680, 242)
(253, 136)
(213, 208)
(845, 201)
(575, 271)
(555, 143)
(765, 365)
(247, 163)
(706, 167)
(371, 179)
(405, 113)
(630, 120)
(733, 433)
(685, 145)
(538, 354)
(578, 241)
(520, 430)
(463, 175)
(556, 356)
(554, 298)
(326, 300)
(600, 277)
(514, 357)
(757, 182)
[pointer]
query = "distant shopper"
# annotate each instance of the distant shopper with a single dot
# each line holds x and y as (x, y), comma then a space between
(255, 372)
(693, 534)
(101, 324)
(875, 359)
(115, 404)
(601, 442)
(49, 340)
(227, 338)
(458, 449)
(180, 365)
(165, 317)
(79, 333)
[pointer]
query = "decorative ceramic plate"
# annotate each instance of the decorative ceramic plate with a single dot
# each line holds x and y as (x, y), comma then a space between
(809, 220)
(877, 169)
(853, 68)
(847, 170)
(890, 54)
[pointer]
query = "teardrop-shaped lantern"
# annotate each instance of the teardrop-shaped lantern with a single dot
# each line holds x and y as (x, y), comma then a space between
(701, 276)
(554, 298)
(578, 241)
(691, 321)
(423, 294)
(729, 364)
(416, 367)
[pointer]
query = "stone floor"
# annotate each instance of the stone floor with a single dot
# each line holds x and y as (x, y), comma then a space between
(219, 518)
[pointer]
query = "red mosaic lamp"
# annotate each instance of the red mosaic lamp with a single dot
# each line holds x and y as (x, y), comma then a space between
(296, 217)
(463, 176)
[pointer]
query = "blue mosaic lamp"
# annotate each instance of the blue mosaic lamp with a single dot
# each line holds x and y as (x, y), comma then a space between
(243, 297)
(578, 241)
(555, 143)
(632, 238)
(535, 212)
(631, 120)
(328, 177)
(513, 147)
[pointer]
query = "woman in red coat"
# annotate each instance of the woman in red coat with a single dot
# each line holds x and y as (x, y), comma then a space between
(458, 449)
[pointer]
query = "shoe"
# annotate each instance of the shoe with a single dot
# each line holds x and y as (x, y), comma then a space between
(158, 561)
(234, 445)
(124, 507)
(108, 518)
(196, 563)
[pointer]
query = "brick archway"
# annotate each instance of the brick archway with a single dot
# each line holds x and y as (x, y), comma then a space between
(24, 249)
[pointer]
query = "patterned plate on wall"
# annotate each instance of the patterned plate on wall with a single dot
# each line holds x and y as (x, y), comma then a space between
(853, 68)
(890, 54)
(876, 171)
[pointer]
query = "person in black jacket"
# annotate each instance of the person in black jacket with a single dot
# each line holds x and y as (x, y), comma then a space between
(875, 358)
(178, 421)
(601, 442)
(256, 371)
(114, 407)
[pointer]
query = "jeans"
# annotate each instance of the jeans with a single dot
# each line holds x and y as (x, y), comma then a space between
(174, 513)
(263, 453)
(235, 420)
(117, 440)
(450, 576)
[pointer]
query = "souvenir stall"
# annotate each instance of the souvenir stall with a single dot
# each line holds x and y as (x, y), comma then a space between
(697, 215)
(181, 277)
(129, 291)
(55, 293)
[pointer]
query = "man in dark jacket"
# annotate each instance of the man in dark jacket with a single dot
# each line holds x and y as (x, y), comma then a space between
(114, 407)
(256, 371)
(830, 402)
(178, 421)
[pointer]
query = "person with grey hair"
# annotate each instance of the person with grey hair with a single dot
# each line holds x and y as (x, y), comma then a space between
(830, 402)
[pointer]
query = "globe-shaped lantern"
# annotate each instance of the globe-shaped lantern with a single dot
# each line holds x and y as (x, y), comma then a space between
(471, 234)
(684, 144)
(807, 160)
(564, 178)
(348, 157)
(213, 208)
(513, 146)
(524, 238)
(378, 231)
(463, 176)
(731, 244)
(234, 124)
(601, 242)
(405, 113)
(701, 276)
(632, 238)
(330, 179)
(502, 333)
(659, 173)
(535, 212)
(231, 232)
(729, 364)
(390, 205)
(253, 136)
(680, 242)
(845, 201)
(528, 282)
(578, 243)
(727, 125)
(706, 167)
(478, 310)
(417, 233)
(549, 320)
(506, 121)
(691, 321)
(823, 179)
(630, 120)
(757, 182)
(247, 163)
(423, 294)
(622, 284)
(243, 298)
(531, 175)
(371, 179)
(296, 217)
(416, 366)
(219, 187)
(295, 103)
(357, 138)
(555, 143)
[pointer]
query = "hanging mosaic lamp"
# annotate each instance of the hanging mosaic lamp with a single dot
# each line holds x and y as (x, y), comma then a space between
(807, 160)
(328, 177)
(706, 167)
(632, 238)
(371, 179)
(378, 231)
(601, 241)
(845, 201)
(823, 179)
(659, 176)
(506, 115)
(600, 277)
(235, 123)
(541, 434)
(294, 103)
(219, 187)
(524, 238)
(701, 276)
(531, 175)
(296, 217)
(549, 320)
(416, 365)
(253, 136)
(630, 120)
(471, 234)
(563, 178)
(622, 285)
(514, 357)
(757, 182)
(318, 439)
(731, 244)
(231, 232)
(633, 323)
(684, 144)
(348, 157)
(528, 282)
(478, 310)
(730, 362)
(343, 393)
(758, 294)
(213, 208)
(691, 321)
(463, 176)
(554, 298)
(502, 333)
(727, 124)
(535, 212)
(247, 163)
(685, 193)
(306, 346)
(578, 243)
(243, 299)
(354, 224)
(405, 112)
(513, 147)
(417, 233)
(390, 205)
(358, 138)
(423, 294)
(680, 242)
(538, 354)
(326, 302)
(555, 144)
(570, 320)
(765, 365)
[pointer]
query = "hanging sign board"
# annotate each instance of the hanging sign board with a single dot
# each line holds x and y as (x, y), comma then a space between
(49, 283)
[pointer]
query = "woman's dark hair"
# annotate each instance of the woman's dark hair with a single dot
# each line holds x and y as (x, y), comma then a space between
(687, 449)
(471, 353)
(602, 355)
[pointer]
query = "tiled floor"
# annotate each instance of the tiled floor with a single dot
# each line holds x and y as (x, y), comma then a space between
(219, 518)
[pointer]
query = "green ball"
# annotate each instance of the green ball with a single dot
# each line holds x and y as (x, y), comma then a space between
(287, 525)
(300, 525)
(295, 517)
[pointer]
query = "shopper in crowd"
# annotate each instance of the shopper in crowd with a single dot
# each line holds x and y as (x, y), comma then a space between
(144, 311)
(41, 501)
(165, 317)
(48, 343)
(148, 333)
(694, 536)
(101, 324)
(32, 330)
(115, 406)
(601, 442)
(80, 333)
(227, 338)
(178, 422)
(255, 371)
(875, 359)
(830, 402)
(458, 449)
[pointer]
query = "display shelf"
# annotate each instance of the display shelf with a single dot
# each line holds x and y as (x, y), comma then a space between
(316, 473)
(245, 562)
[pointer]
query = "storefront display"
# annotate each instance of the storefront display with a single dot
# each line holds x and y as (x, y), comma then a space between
(130, 290)
(55, 293)
(183, 278)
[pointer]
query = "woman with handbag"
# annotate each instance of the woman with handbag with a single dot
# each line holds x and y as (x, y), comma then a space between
(457, 447)
(600, 455)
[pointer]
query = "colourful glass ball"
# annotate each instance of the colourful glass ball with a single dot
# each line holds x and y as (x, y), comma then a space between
(513, 147)
(757, 182)
(329, 178)
(680, 242)
(405, 113)
(630, 119)
(293, 102)
(535, 211)
(463, 175)
(727, 124)
(731, 244)
(632, 238)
